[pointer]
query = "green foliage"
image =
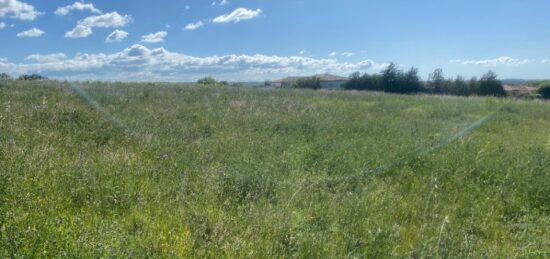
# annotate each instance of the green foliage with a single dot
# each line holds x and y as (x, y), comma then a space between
(207, 81)
(172, 170)
(33, 77)
(437, 83)
(364, 82)
(4, 77)
(544, 91)
(395, 80)
(489, 85)
(308, 83)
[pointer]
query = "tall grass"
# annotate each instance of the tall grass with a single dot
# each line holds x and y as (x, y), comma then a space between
(147, 170)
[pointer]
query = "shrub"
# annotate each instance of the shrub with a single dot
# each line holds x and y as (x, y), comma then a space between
(544, 91)
(308, 83)
(4, 77)
(207, 81)
(33, 77)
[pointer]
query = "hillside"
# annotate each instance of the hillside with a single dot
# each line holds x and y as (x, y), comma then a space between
(119, 170)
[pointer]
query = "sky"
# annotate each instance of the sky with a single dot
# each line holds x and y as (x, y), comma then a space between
(255, 40)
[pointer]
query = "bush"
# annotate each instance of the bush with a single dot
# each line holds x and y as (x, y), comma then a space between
(207, 81)
(4, 77)
(308, 83)
(33, 77)
(544, 91)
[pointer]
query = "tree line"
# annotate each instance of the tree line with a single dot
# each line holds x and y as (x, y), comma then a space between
(396, 80)
(25, 77)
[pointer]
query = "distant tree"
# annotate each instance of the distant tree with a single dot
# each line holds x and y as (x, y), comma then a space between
(207, 81)
(4, 76)
(459, 87)
(391, 79)
(308, 83)
(544, 90)
(33, 77)
(412, 82)
(489, 85)
(473, 85)
(395, 80)
(267, 83)
(437, 83)
(364, 82)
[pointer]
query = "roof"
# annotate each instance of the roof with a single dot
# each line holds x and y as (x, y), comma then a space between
(322, 77)
(520, 88)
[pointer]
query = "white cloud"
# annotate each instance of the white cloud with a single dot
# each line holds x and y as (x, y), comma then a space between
(47, 58)
(18, 10)
(348, 54)
(80, 31)
(84, 28)
(34, 32)
(116, 36)
(187, 7)
(154, 37)
(493, 62)
(141, 63)
(238, 15)
(545, 61)
(2, 25)
(194, 26)
(221, 3)
(333, 54)
(80, 6)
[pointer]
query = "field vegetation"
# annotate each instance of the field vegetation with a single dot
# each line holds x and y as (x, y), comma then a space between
(176, 170)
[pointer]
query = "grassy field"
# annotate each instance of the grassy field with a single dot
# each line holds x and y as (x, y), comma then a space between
(150, 170)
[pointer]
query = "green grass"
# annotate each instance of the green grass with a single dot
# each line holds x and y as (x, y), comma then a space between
(150, 170)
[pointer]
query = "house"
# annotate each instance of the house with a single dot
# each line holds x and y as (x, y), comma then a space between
(328, 81)
(519, 90)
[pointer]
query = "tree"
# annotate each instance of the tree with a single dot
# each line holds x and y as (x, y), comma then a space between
(412, 82)
(207, 81)
(459, 87)
(33, 77)
(4, 77)
(437, 83)
(395, 80)
(308, 83)
(544, 90)
(489, 85)
(390, 79)
(473, 85)
(364, 82)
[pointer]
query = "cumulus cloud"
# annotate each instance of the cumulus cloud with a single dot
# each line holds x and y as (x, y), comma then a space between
(34, 32)
(80, 6)
(154, 37)
(238, 15)
(333, 54)
(80, 31)
(47, 58)
(18, 10)
(141, 63)
(348, 54)
(116, 36)
(493, 62)
(84, 28)
(2, 25)
(194, 26)
(545, 61)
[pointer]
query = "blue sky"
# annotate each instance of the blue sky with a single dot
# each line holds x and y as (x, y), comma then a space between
(183, 40)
